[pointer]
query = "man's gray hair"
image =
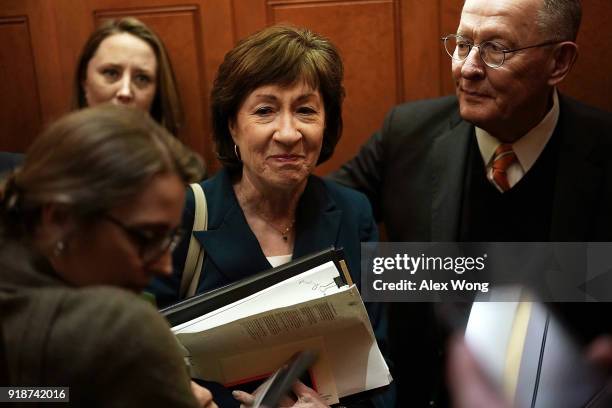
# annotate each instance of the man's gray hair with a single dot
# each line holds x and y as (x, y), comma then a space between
(560, 19)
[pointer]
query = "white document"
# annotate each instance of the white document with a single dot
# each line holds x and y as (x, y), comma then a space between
(272, 324)
(311, 284)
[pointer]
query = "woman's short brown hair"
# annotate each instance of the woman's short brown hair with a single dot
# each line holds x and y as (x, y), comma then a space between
(166, 107)
(281, 55)
(90, 161)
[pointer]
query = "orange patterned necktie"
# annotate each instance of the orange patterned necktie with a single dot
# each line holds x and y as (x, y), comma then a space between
(503, 158)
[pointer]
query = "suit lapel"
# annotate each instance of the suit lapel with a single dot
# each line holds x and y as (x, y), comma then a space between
(318, 219)
(448, 161)
(229, 242)
(233, 248)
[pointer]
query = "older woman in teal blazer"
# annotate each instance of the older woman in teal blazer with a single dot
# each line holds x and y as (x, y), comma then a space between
(277, 113)
(328, 214)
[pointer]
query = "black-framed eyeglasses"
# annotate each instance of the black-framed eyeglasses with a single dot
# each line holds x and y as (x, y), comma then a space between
(492, 53)
(151, 245)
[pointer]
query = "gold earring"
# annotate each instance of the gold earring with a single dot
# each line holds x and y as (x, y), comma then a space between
(59, 248)
(236, 152)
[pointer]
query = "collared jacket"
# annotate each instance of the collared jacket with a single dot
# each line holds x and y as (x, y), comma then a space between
(327, 214)
(106, 344)
(413, 170)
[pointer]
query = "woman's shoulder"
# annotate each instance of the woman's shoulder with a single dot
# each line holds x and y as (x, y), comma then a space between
(343, 195)
(84, 325)
(211, 188)
(355, 207)
(113, 308)
(102, 318)
(121, 339)
(102, 325)
(221, 179)
(217, 189)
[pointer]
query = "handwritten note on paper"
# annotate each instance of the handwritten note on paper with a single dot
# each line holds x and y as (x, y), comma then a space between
(317, 286)
(312, 284)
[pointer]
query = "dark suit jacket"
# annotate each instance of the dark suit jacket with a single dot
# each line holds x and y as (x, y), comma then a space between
(327, 214)
(414, 168)
(413, 172)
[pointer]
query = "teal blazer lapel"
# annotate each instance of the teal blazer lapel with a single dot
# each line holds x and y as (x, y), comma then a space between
(449, 159)
(318, 219)
(229, 242)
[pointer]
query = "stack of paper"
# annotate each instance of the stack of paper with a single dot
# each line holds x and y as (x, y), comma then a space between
(315, 309)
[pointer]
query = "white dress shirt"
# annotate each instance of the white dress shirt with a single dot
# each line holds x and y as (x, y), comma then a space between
(527, 148)
(279, 259)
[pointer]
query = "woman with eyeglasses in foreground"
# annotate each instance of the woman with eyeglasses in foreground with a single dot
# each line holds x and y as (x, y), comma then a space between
(85, 223)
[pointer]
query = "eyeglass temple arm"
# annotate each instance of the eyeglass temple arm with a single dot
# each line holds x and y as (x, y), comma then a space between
(536, 45)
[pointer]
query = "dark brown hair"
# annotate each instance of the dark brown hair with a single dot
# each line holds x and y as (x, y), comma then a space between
(281, 55)
(166, 107)
(90, 161)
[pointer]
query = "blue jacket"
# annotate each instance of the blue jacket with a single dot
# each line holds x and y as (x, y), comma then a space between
(327, 214)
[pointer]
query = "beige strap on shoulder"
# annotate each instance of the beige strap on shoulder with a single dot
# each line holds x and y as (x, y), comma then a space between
(195, 253)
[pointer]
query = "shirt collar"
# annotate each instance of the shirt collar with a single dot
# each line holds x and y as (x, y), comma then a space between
(527, 148)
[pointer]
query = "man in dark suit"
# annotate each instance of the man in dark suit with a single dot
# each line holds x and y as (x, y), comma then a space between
(506, 159)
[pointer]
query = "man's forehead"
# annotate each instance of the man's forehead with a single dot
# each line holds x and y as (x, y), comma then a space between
(501, 8)
(504, 18)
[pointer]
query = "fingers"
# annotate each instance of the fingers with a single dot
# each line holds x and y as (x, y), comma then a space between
(203, 396)
(469, 387)
(286, 401)
(462, 368)
(244, 398)
(299, 388)
(600, 352)
(307, 397)
(308, 402)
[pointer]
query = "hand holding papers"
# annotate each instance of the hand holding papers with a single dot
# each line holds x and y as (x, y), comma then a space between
(252, 328)
(279, 384)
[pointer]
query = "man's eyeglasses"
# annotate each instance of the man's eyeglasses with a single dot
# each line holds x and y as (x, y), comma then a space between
(151, 245)
(492, 53)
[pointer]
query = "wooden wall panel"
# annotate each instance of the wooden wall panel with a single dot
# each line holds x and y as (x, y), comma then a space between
(249, 17)
(591, 78)
(30, 83)
(367, 36)
(420, 33)
(450, 14)
(17, 63)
